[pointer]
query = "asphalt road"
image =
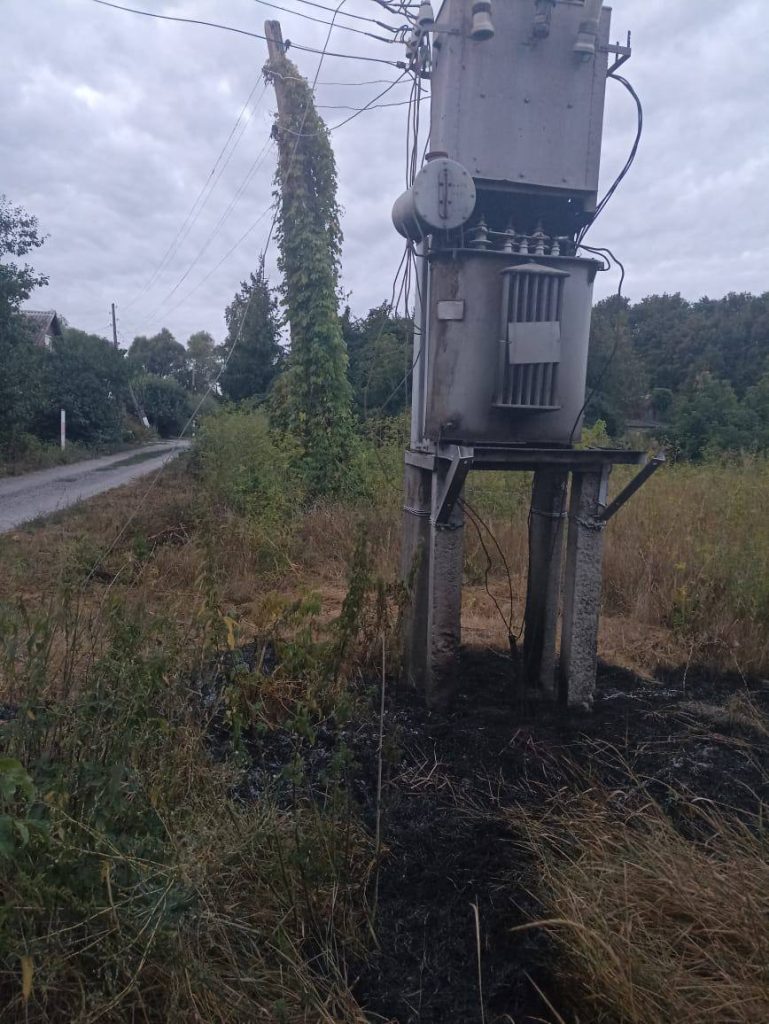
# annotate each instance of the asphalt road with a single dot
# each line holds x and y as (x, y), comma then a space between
(27, 497)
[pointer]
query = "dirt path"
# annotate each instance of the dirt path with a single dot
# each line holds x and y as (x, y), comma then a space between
(24, 498)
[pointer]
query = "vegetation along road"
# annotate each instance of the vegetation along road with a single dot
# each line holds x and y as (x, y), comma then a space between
(23, 498)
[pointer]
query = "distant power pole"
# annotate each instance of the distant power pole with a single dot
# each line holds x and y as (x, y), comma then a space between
(114, 327)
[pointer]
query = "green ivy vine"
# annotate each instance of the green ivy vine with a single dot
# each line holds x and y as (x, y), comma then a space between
(313, 399)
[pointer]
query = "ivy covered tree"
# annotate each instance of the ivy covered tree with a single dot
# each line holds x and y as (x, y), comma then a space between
(253, 338)
(314, 399)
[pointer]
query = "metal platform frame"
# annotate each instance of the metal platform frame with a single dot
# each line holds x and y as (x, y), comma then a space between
(433, 556)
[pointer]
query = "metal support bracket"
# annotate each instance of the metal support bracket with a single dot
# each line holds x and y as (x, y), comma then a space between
(635, 484)
(460, 465)
(624, 53)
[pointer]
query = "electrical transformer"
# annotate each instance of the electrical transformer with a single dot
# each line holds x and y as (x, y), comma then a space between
(503, 319)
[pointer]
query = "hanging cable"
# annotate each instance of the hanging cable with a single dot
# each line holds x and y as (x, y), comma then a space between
(203, 195)
(617, 335)
(228, 357)
(360, 110)
(242, 32)
(217, 227)
(345, 14)
(479, 524)
(322, 21)
(628, 163)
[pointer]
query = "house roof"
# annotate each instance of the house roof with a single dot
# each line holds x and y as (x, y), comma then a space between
(42, 322)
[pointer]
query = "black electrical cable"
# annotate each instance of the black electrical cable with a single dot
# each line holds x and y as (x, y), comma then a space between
(475, 515)
(243, 32)
(322, 21)
(628, 163)
(371, 105)
(615, 346)
(342, 14)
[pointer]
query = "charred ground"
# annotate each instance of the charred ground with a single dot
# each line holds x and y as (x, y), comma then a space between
(450, 780)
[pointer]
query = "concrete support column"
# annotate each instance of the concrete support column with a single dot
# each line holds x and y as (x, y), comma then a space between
(415, 572)
(548, 510)
(432, 565)
(444, 626)
(582, 588)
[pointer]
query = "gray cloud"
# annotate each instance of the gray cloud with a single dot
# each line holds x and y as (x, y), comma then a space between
(112, 123)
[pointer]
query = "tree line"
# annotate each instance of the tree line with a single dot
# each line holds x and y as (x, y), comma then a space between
(107, 391)
(696, 373)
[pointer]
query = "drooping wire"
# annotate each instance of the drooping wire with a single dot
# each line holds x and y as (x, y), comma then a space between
(478, 522)
(344, 14)
(214, 383)
(603, 251)
(203, 195)
(224, 216)
(322, 21)
(242, 32)
(628, 163)
(298, 134)
(359, 110)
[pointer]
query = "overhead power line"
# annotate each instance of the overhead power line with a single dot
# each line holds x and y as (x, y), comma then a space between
(216, 229)
(205, 193)
(240, 31)
(344, 14)
(322, 21)
(235, 343)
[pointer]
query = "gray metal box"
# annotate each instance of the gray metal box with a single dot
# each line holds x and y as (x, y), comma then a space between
(520, 110)
(512, 369)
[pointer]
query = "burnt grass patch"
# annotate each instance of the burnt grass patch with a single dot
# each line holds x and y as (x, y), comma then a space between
(449, 850)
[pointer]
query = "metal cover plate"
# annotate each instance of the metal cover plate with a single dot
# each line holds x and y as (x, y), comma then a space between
(451, 309)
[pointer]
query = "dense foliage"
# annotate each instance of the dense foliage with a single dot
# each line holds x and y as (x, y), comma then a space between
(695, 372)
(165, 403)
(89, 378)
(380, 353)
(252, 349)
(161, 355)
(22, 378)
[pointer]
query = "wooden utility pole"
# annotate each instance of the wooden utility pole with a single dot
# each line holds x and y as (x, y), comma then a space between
(114, 327)
(276, 51)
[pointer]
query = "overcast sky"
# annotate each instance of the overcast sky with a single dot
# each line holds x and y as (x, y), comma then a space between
(112, 123)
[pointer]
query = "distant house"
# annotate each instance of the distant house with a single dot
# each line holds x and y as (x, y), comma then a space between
(44, 325)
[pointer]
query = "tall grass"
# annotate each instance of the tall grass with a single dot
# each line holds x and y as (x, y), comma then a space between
(689, 554)
(652, 926)
(135, 886)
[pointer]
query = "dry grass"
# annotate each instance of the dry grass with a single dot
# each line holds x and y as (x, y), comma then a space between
(652, 926)
(150, 893)
(686, 566)
(686, 580)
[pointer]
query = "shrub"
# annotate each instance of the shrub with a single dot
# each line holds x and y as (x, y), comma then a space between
(250, 470)
(165, 403)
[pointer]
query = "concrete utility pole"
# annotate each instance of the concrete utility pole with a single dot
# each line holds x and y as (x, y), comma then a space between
(503, 321)
(114, 327)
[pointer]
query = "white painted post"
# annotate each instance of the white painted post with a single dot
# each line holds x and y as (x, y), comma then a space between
(63, 430)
